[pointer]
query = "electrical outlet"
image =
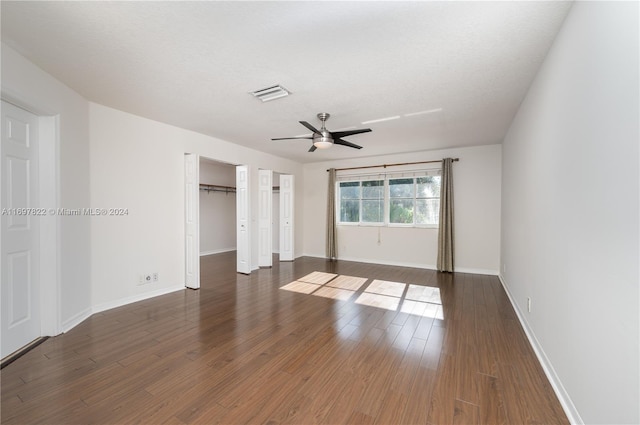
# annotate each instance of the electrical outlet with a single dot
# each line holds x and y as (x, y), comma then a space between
(529, 305)
(155, 277)
(143, 279)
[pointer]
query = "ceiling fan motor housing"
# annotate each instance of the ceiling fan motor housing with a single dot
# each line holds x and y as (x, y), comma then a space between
(322, 140)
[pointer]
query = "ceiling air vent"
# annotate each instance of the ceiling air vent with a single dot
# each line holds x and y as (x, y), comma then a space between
(271, 93)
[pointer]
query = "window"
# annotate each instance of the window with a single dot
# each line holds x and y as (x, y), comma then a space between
(395, 201)
(361, 201)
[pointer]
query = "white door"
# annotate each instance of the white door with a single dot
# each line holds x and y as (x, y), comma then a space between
(242, 220)
(286, 218)
(19, 230)
(191, 217)
(265, 209)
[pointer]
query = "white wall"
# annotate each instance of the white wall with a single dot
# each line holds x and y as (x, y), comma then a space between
(570, 212)
(138, 163)
(27, 85)
(217, 209)
(477, 215)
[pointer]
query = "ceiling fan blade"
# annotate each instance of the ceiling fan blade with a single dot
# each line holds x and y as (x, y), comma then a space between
(309, 126)
(339, 134)
(312, 148)
(290, 138)
(345, 143)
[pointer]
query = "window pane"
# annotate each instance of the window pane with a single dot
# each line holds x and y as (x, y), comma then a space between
(372, 189)
(349, 190)
(372, 211)
(401, 188)
(428, 187)
(427, 211)
(401, 211)
(350, 211)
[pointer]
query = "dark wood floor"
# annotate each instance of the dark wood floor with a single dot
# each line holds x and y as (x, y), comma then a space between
(241, 350)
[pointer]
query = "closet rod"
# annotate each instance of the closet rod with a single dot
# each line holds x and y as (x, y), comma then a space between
(217, 188)
(393, 165)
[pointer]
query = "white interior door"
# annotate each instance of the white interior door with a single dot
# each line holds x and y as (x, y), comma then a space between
(243, 252)
(191, 217)
(286, 218)
(20, 290)
(265, 209)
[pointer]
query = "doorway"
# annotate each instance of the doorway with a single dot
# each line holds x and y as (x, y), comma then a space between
(28, 233)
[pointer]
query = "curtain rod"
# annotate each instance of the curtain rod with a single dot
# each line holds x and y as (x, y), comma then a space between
(393, 165)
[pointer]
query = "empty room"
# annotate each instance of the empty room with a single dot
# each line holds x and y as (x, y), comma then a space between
(320, 212)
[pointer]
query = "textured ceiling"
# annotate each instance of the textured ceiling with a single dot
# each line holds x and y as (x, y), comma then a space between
(192, 64)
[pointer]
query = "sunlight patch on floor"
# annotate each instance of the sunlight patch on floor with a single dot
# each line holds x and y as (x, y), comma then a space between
(301, 287)
(377, 300)
(335, 293)
(422, 309)
(319, 278)
(417, 300)
(383, 287)
(351, 283)
(425, 294)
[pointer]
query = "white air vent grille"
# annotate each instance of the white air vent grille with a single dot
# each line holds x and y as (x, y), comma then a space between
(271, 93)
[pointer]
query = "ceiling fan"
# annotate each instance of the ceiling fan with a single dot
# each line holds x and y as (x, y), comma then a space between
(323, 138)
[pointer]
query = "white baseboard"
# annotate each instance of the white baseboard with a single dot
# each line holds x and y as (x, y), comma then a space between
(414, 265)
(135, 298)
(566, 402)
(216, 251)
(75, 320)
(476, 271)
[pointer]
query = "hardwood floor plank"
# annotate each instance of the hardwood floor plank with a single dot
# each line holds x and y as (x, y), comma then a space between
(442, 406)
(241, 350)
(465, 413)
(394, 404)
(491, 405)
(417, 408)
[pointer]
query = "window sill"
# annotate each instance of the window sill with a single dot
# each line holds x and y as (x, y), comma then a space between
(390, 225)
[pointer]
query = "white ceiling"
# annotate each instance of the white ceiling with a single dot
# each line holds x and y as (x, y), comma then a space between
(192, 64)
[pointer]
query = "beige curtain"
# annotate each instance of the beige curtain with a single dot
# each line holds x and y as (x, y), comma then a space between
(445, 229)
(332, 234)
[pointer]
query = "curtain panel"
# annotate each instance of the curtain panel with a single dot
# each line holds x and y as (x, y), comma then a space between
(332, 233)
(445, 229)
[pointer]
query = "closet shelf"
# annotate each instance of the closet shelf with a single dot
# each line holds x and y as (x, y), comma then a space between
(217, 188)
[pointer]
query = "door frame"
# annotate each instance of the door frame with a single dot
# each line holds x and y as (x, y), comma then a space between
(265, 221)
(243, 219)
(192, 220)
(287, 217)
(49, 197)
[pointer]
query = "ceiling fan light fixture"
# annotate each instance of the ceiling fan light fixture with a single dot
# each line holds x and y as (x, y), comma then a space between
(322, 142)
(271, 93)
